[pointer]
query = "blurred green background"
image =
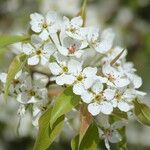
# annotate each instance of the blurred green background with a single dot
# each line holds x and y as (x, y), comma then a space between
(131, 21)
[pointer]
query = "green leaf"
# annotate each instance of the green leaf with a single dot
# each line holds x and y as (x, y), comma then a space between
(16, 65)
(142, 112)
(119, 114)
(75, 142)
(10, 39)
(122, 145)
(117, 57)
(47, 135)
(64, 103)
(90, 139)
(83, 11)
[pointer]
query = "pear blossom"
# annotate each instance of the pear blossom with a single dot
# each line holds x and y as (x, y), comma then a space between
(109, 132)
(37, 52)
(72, 73)
(71, 47)
(32, 91)
(44, 25)
(72, 27)
(114, 77)
(101, 42)
(123, 98)
(98, 99)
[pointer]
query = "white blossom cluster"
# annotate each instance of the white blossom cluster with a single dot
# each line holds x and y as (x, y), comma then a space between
(82, 57)
(28, 92)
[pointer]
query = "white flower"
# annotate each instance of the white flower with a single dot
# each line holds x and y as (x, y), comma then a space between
(99, 99)
(101, 42)
(73, 26)
(109, 132)
(44, 25)
(71, 73)
(70, 47)
(38, 53)
(32, 91)
(114, 77)
(123, 99)
(129, 71)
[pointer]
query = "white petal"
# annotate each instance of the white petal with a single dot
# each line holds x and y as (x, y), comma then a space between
(49, 49)
(137, 81)
(97, 87)
(115, 137)
(74, 66)
(44, 35)
(88, 82)
(107, 144)
(51, 17)
(65, 79)
(79, 53)
(33, 60)
(77, 21)
(90, 72)
(36, 19)
(3, 77)
(120, 82)
(109, 94)
(63, 50)
(55, 68)
(87, 97)
(94, 109)
(106, 108)
(27, 49)
(44, 60)
(123, 106)
(78, 88)
(140, 93)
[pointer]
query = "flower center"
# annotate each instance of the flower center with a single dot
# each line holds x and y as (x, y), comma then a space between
(45, 25)
(72, 49)
(65, 69)
(80, 78)
(39, 52)
(98, 97)
(15, 81)
(118, 96)
(108, 132)
(71, 29)
(110, 77)
(31, 93)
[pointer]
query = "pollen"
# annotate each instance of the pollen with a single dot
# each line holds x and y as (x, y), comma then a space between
(39, 52)
(72, 49)
(45, 25)
(65, 69)
(80, 78)
(98, 97)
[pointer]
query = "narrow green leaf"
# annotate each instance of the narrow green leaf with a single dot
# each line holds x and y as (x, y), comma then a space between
(90, 139)
(75, 142)
(10, 39)
(142, 112)
(47, 135)
(117, 57)
(64, 103)
(83, 11)
(16, 65)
